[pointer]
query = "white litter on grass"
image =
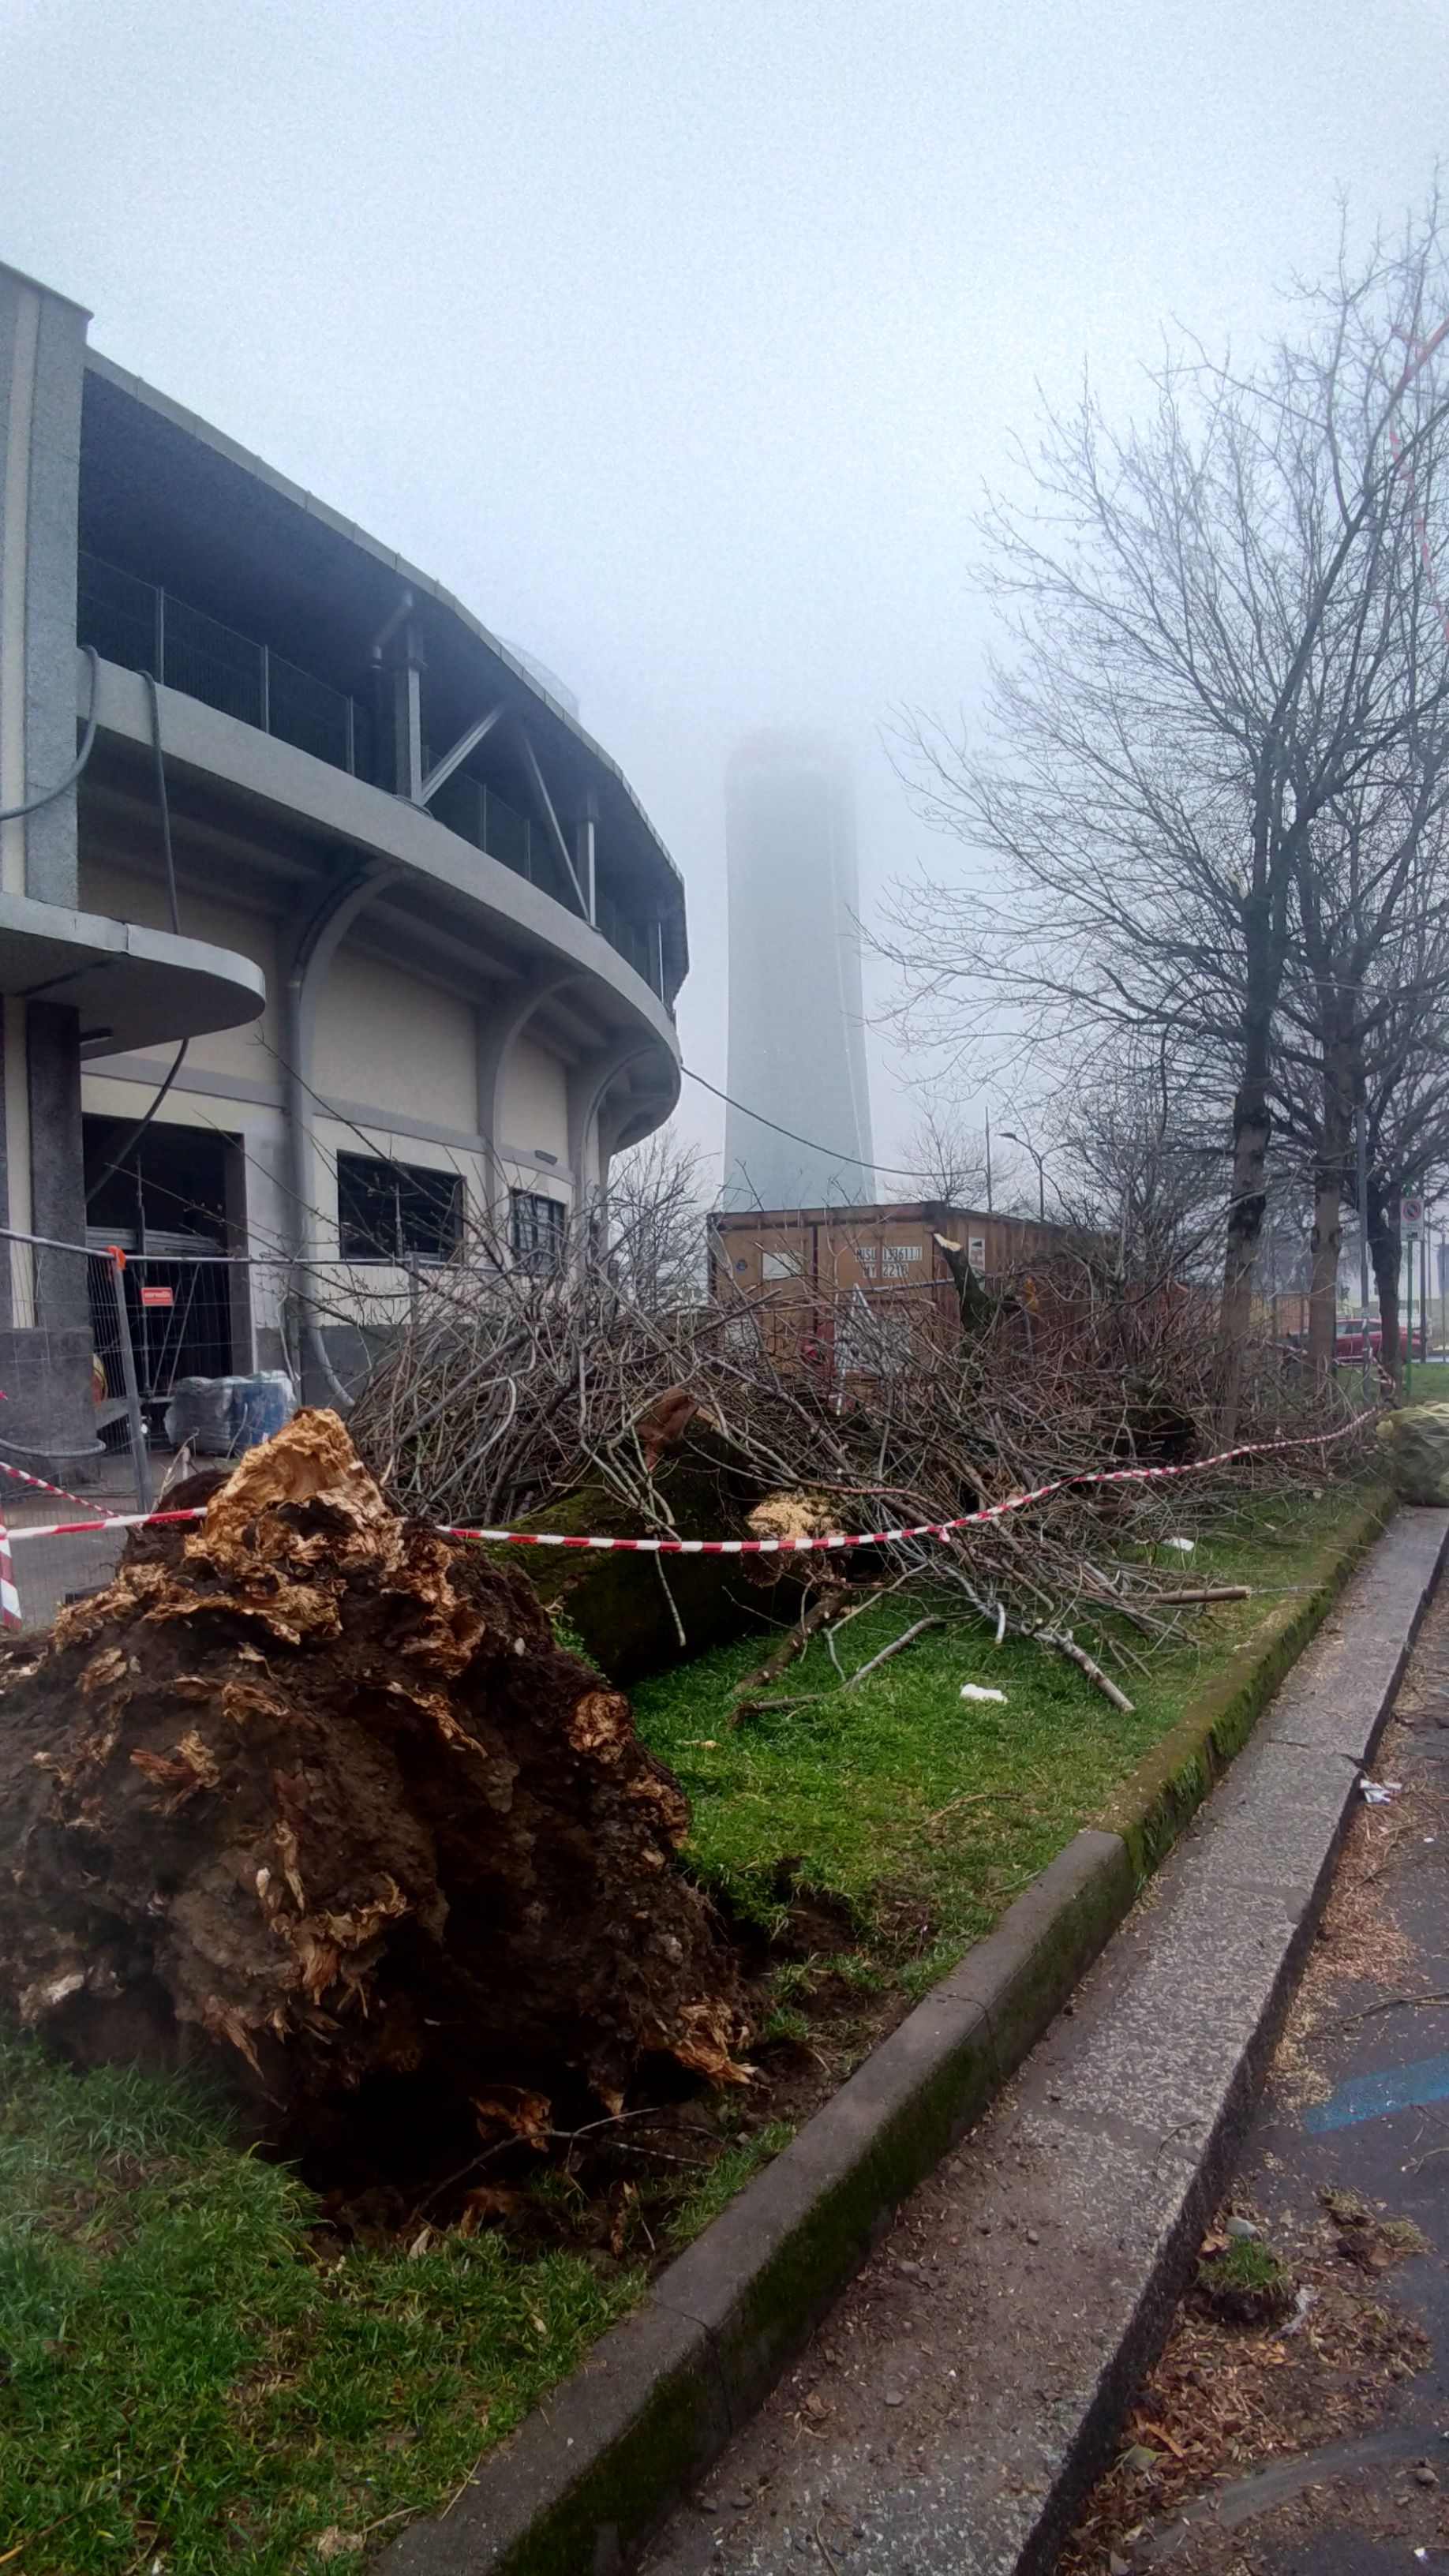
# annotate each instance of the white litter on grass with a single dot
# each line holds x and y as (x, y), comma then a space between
(978, 1690)
(1378, 1792)
(1184, 1546)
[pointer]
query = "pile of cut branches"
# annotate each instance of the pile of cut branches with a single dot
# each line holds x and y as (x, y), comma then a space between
(501, 1392)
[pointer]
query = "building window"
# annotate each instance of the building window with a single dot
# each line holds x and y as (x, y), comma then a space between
(537, 1230)
(397, 1211)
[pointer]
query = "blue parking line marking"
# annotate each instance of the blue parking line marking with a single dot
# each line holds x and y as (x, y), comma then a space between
(1368, 2097)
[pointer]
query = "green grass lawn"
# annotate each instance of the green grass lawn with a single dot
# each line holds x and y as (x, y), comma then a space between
(901, 1798)
(193, 2380)
(186, 2384)
(1429, 1382)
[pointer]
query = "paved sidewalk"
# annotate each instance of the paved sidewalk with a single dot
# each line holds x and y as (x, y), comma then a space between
(1355, 2115)
(948, 2413)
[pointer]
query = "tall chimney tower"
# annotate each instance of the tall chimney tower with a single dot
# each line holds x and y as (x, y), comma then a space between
(796, 1018)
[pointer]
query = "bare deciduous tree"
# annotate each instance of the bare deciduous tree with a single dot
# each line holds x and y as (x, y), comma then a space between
(655, 1221)
(1137, 1162)
(1364, 1003)
(946, 1158)
(1222, 624)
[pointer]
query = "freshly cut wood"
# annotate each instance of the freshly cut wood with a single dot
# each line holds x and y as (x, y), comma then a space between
(309, 1790)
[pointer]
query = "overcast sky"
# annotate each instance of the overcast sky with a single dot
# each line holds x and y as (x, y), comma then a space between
(677, 336)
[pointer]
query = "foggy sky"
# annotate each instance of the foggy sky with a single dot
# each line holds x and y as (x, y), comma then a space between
(677, 338)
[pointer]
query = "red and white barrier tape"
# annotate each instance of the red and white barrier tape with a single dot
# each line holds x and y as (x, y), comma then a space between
(921, 1529)
(9, 1615)
(43, 1484)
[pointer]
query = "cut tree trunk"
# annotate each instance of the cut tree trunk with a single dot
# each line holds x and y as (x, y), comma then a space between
(627, 1611)
(309, 1792)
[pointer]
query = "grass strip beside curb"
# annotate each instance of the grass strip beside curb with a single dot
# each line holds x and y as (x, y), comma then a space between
(600, 2462)
(1151, 1808)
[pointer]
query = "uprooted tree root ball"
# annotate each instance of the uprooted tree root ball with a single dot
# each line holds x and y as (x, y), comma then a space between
(308, 1791)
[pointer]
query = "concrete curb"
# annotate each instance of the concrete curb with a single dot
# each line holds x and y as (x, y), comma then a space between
(973, 2381)
(592, 2472)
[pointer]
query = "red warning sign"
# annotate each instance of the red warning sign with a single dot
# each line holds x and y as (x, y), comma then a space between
(158, 1297)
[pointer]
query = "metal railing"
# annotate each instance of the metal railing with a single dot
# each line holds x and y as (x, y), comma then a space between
(479, 815)
(639, 947)
(145, 628)
(476, 814)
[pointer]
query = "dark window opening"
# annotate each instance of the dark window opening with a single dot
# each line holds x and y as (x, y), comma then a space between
(537, 1230)
(166, 1206)
(397, 1211)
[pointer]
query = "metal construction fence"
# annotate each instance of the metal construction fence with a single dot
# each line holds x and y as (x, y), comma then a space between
(121, 1330)
(161, 1349)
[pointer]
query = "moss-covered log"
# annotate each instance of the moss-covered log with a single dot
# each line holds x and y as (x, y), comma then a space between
(638, 1614)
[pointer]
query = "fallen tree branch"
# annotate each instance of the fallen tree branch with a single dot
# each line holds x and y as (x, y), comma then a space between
(756, 1707)
(1078, 1655)
(1204, 1592)
(817, 1616)
(893, 1648)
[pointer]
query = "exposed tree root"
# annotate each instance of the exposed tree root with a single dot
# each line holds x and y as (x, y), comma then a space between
(308, 1790)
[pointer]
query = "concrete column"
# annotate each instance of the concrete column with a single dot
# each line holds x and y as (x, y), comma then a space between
(45, 1342)
(407, 717)
(57, 1178)
(586, 859)
(42, 369)
(314, 940)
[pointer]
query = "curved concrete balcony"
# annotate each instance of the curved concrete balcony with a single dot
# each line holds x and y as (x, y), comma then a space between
(131, 987)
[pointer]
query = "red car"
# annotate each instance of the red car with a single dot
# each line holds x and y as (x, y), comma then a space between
(1348, 1342)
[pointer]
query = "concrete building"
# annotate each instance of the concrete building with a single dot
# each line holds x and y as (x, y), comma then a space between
(796, 1017)
(421, 940)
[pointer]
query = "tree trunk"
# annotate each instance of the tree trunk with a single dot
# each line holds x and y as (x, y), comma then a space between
(1251, 1129)
(1264, 933)
(1326, 1241)
(1387, 1253)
